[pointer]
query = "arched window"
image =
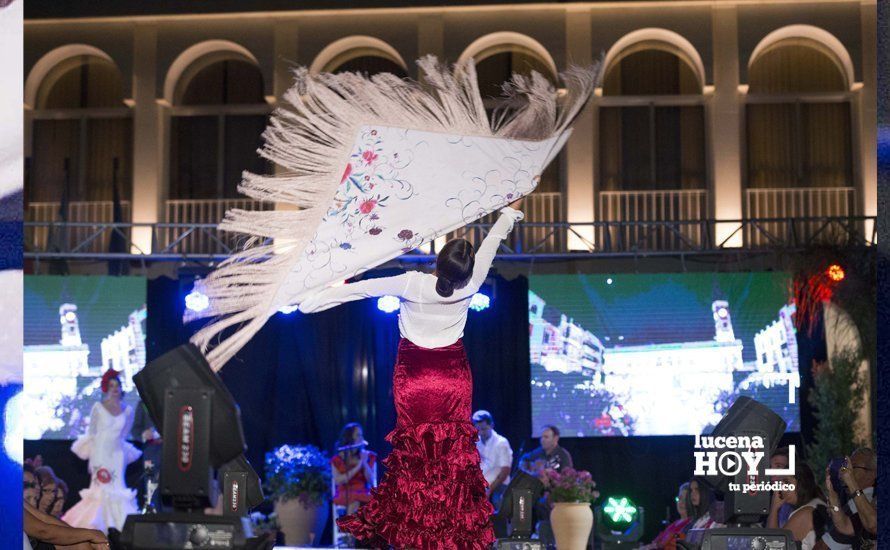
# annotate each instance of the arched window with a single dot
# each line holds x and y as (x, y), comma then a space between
(652, 160)
(367, 63)
(498, 57)
(801, 135)
(652, 123)
(799, 143)
(82, 136)
(495, 64)
(217, 121)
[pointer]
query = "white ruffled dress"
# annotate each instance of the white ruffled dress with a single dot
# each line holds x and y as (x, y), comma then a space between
(107, 501)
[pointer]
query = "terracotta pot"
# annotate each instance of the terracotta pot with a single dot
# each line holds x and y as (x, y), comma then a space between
(302, 525)
(571, 523)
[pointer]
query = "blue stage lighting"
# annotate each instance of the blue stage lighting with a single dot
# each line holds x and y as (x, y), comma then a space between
(196, 301)
(14, 430)
(388, 303)
(479, 302)
(287, 310)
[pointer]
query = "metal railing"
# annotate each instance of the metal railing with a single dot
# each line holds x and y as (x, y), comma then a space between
(59, 237)
(529, 240)
(180, 213)
(540, 208)
(786, 204)
(674, 207)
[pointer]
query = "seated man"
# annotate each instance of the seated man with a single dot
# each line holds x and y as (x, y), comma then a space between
(496, 455)
(549, 456)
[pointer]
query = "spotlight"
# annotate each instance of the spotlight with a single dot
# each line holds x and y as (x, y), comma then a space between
(287, 310)
(388, 304)
(619, 521)
(479, 302)
(620, 510)
(835, 273)
(12, 419)
(196, 301)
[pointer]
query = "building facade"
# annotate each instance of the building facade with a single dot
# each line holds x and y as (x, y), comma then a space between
(717, 110)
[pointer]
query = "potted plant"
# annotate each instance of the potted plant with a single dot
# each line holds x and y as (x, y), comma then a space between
(571, 492)
(298, 479)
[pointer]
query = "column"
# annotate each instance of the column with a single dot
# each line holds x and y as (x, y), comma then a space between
(430, 36)
(580, 149)
(725, 128)
(868, 113)
(148, 151)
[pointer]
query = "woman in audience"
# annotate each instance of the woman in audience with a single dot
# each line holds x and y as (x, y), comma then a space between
(809, 519)
(52, 492)
(668, 537)
(30, 485)
(698, 505)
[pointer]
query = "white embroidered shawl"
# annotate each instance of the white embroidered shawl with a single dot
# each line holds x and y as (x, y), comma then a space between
(377, 166)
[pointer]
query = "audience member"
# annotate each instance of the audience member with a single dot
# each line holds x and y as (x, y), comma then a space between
(698, 507)
(809, 520)
(31, 487)
(45, 529)
(854, 523)
(780, 460)
(667, 539)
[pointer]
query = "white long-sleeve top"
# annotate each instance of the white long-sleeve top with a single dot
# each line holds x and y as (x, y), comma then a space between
(425, 318)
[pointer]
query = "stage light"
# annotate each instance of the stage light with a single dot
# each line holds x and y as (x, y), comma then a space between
(479, 302)
(835, 273)
(388, 304)
(619, 521)
(196, 301)
(12, 420)
(609, 281)
(287, 310)
(620, 510)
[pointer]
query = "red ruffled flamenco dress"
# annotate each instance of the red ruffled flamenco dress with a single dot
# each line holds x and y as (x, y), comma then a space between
(433, 493)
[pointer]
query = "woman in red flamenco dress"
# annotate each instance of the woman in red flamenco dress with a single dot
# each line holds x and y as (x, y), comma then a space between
(433, 495)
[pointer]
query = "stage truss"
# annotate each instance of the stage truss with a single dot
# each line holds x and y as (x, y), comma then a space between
(204, 243)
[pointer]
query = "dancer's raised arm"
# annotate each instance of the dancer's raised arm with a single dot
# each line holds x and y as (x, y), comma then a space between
(489, 247)
(369, 288)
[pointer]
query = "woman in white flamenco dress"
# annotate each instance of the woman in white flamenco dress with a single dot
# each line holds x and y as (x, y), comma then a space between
(107, 501)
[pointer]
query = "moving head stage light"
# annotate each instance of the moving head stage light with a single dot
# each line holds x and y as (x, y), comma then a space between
(517, 513)
(202, 433)
(746, 421)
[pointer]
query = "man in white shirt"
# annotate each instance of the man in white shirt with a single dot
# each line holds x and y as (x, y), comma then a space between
(496, 454)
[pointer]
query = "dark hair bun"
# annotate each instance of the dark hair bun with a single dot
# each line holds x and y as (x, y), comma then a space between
(444, 287)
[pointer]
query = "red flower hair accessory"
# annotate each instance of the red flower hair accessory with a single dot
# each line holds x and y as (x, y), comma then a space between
(107, 377)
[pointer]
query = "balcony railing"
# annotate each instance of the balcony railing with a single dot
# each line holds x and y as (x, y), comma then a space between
(52, 235)
(541, 210)
(846, 231)
(786, 204)
(181, 212)
(673, 210)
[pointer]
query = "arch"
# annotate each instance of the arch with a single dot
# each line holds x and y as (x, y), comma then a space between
(210, 51)
(840, 55)
(52, 59)
(340, 51)
(500, 42)
(659, 38)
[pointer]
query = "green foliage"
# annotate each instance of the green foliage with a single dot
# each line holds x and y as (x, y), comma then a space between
(837, 399)
(298, 471)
